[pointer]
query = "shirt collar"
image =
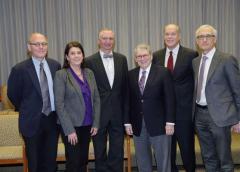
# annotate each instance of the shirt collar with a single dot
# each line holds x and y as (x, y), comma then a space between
(210, 54)
(174, 51)
(102, 53)
(147, 69)
(37, 61)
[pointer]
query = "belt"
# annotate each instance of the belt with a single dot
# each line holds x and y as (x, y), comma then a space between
(201, 106)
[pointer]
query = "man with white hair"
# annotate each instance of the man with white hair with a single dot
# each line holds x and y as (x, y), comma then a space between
(216, 101)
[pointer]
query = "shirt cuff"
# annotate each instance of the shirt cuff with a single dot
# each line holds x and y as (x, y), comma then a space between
(127, 125)
(170, 123)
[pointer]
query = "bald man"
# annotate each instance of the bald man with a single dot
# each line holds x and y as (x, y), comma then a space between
(30, 89)
(178, 60)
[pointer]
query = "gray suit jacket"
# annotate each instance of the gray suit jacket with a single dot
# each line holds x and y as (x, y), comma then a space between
(69, 100)
(222, 89)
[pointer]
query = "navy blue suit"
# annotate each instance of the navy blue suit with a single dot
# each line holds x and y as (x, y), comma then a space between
(38, 130)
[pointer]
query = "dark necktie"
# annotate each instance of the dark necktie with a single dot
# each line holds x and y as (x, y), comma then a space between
(46, 109)
(200, 78)
(170, 62)
(142, 82)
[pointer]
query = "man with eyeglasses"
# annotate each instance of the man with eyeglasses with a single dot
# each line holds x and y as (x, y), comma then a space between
(216, 101)
(178, 59)
(30, 89)
(152, 111)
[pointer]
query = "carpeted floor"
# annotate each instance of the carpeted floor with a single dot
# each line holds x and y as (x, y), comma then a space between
(19, 169)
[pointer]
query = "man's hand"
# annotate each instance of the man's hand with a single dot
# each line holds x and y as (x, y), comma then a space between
(236, 128)
(169, 129)
(128, 129)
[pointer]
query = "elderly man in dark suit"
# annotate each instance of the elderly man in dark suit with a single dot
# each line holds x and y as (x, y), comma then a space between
(30, 89)
(152, 111)
(110, 70)
(178, 60)
(216, 101)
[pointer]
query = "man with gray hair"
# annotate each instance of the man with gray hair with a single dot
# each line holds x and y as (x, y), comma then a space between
(216, 101)
(152, 111)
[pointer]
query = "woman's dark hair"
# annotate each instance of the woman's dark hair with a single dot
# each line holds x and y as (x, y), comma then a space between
(66, 51)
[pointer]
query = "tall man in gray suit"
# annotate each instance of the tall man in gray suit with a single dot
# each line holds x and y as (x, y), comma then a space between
(179, 60)
(111, 71)
(216, 101)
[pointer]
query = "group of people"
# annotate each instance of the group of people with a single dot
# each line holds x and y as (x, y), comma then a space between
(171, 94)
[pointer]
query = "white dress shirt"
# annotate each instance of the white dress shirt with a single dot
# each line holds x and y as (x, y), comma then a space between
(46, 68)
(210, 55)
(108, 64)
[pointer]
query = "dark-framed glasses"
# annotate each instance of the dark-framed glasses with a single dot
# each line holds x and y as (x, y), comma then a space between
(142, 56)
(208, 36)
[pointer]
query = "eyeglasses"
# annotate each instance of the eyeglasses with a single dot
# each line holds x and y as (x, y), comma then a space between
(38, 44)
(142, 56)
(208, 36)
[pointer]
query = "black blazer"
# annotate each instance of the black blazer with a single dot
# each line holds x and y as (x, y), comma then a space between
(156, 105)
(25, 93)
(114, 101)
(183, 80)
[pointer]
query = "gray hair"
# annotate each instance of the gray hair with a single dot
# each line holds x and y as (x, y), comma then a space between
(214, 31)
(142, 47)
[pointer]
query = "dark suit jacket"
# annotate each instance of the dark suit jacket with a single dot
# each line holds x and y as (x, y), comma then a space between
(69, 100)
(156, 105)
(114, 101)
(222, 88)
(25, 93)
(183, 80)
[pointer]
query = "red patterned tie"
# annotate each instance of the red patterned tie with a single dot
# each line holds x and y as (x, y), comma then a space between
(170, 62)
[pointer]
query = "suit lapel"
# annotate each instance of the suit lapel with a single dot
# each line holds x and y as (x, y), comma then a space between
(162, 57)
(150, 78)
(213, 65)
(135, 79)
(196, 69)
(117, 68)
(75, 84)
(89, 80)
(102, 71)
(51, 67)
(33, 75)
(179, 59)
